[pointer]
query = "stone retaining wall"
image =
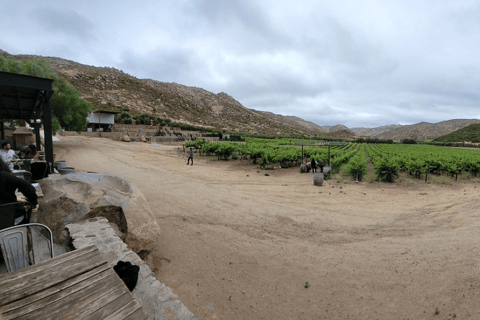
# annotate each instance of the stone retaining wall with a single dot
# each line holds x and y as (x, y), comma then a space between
(157, 300)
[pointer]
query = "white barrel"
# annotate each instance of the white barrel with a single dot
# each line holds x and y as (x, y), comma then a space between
(318, 179)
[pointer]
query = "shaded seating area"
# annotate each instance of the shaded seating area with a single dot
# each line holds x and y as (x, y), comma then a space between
(27, 98)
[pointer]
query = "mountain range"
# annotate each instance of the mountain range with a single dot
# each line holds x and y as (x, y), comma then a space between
(109, 89)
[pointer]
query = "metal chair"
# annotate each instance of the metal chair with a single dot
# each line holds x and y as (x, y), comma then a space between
(8, 214)
(21, 245)
(26, 164)
(23, 174)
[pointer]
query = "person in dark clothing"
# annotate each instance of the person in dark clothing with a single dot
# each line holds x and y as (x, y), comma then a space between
(190, 156)
(320, 164)
(8, 184)
(31, 152)
(313, 165)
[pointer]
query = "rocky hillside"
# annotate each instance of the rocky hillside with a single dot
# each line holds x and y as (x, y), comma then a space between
(113, 90)
(374, 132)
(420, 131)
(110, 89)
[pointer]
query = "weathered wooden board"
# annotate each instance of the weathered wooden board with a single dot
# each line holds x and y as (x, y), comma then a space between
(76, 285)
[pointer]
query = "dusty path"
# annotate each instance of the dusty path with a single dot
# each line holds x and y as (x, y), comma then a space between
(237, 244)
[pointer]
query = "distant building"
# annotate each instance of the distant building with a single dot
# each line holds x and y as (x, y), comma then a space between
(101, 120)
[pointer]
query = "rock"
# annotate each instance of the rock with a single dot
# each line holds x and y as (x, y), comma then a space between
(157, 300)
(126, 138)
(142, 138)
(78, 196)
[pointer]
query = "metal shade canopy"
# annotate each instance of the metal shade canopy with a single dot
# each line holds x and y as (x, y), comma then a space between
(27, 98)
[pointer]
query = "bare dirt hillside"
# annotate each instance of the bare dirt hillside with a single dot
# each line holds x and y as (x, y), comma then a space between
(237, 244)
(417, 131)
(110, 89)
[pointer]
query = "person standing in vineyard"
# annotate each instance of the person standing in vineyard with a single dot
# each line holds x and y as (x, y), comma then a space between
(314, 165)
(320, 164)
(190, 156)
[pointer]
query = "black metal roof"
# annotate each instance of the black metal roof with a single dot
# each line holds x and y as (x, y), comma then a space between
(23, 97)
(106, 111)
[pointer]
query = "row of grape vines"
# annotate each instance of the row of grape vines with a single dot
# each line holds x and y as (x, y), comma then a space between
(389, 160)
(284, 151)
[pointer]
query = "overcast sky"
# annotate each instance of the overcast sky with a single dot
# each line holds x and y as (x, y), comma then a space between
(358, 63)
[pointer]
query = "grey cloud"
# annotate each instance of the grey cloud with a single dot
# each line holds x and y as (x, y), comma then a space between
(356, 63)
(68, 23)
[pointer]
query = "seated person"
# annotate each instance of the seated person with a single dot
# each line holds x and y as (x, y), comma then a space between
(31, 152)
(8, 184)
(7, 154)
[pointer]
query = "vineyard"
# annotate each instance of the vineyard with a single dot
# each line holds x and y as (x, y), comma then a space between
(388, 160)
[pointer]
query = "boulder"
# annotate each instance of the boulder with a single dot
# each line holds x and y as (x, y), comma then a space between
(78, 196)
(126, 138)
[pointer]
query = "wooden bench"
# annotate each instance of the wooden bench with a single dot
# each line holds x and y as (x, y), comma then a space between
(77, 285)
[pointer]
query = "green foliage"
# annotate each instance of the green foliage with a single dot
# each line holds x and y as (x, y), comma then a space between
(387, 170)
(145, 118)
(471, 165)
(69, 110)
(69, 107)
(415, 167)
(409, 141)
(357, 166)
(125, 116)
(373, 140)
(469, 133)
(225, 150)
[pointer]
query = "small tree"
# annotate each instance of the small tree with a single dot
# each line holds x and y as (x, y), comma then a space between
(69, 110)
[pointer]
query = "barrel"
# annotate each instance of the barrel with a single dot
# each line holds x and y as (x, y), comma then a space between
(60, 164)
(318, 179)
(303, 168)
(66, 170)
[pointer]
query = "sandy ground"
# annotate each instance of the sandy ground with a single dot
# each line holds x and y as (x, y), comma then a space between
(237, 244)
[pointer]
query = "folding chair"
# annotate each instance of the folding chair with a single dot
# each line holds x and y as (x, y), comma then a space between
(22, 245)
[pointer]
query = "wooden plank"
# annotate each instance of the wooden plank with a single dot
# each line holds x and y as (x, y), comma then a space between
(78, 285)
(74, 279)
(106, 306)
(136, 315)
(49, 277)
(14, 276)
(120, 313)
(71, 304)
(51, 295)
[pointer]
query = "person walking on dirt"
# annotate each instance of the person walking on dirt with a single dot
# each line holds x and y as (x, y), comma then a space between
(190, 156)
(314, 165)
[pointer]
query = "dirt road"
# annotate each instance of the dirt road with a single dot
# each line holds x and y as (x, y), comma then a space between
(237, 244)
